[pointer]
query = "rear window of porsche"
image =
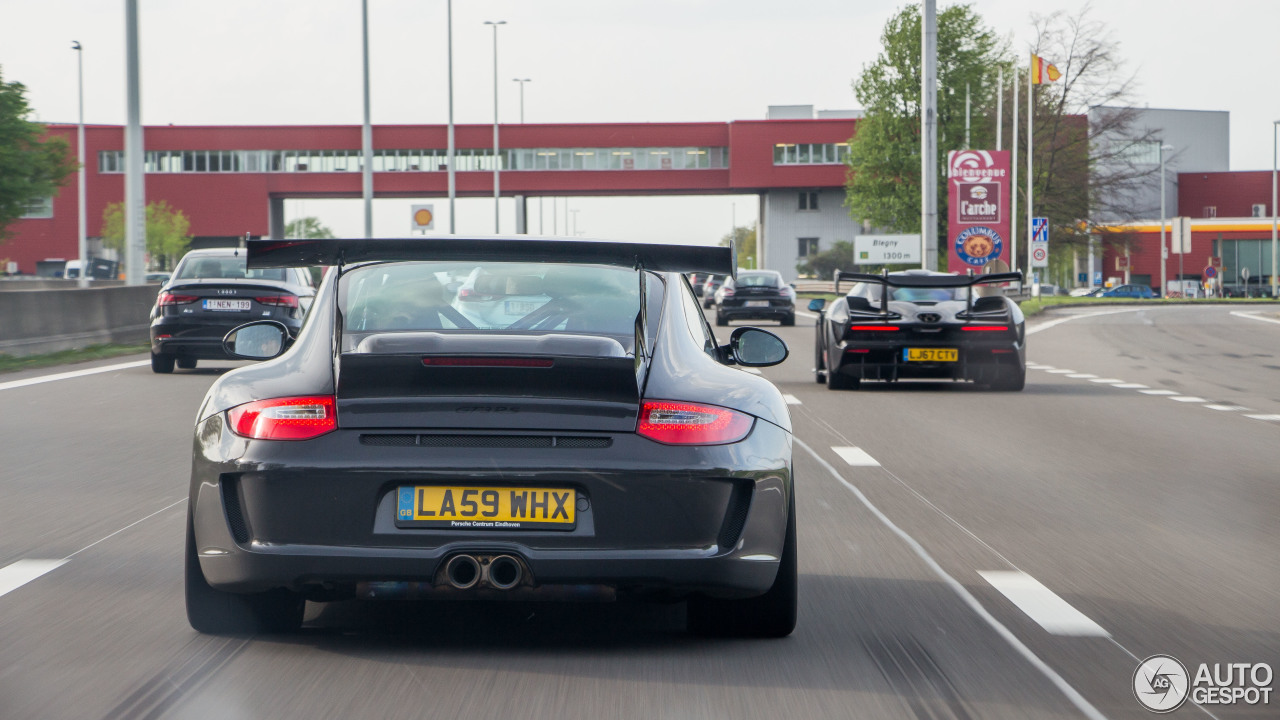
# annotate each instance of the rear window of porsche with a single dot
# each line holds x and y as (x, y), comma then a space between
(488, 298)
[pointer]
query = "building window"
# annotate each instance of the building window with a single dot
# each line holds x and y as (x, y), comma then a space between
(809, 200)
(38, 209)
(810, 153)
(808, 246)
(1211, 211)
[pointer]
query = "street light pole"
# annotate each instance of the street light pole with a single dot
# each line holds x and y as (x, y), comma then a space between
(82, 222)
(366, 129)
(522, 81)
(1164, 248)
(496, 161)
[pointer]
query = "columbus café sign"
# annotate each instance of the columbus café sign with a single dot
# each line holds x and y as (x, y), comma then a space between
(978, 191)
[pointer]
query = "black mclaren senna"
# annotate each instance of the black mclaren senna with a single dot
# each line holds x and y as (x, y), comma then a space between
(921, 324)
(485, 418)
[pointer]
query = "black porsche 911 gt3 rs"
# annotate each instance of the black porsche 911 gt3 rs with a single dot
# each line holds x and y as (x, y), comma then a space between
(921, 324)
(584, 435)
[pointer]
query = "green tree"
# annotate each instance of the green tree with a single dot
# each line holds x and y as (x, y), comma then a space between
(168, 232)
(307, 227)
(31, 166)
(745, 240)
(884, 159)
(823, 264)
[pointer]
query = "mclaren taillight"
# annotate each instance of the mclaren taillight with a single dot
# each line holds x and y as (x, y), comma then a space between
(171, 299)
(681, 423)
(290, 418)
(290, 301)
(985, 328)
(872, 328)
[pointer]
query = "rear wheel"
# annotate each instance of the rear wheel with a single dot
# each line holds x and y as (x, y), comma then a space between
(161, 363)
(721, 320)
(789, 320)
(187, 363)
(836, 381)
(222, 613)
(1012, 380)
(819, 359)
(772, 615)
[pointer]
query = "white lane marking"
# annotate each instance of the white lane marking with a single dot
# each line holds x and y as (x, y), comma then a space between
(1041, 604)
(1060, 372)
(1082, 376)
(802, 313)
(1268, 418)
(1069, 318)
(22, 572)
(1251, 316)
(1107, 381)
(126, 527)
(1187, 398)
(1227, 408)
(1157, 392)
(1131, 386)
(856, 456)
(790, 399)
(14, 384)
(966, 597)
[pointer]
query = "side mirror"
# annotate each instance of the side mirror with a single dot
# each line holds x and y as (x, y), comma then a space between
(817, 304)
(261, 340)
(753, 347)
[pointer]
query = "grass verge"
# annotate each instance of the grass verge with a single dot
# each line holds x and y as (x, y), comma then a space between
(11, 363)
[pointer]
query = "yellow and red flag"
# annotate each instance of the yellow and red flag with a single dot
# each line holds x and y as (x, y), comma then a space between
(1042, 71)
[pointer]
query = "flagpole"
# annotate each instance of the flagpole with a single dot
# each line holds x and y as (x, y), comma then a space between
(1031, 191)
(999, 107)
(1013, 213)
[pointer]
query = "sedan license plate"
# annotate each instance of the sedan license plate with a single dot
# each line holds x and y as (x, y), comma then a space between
(486, 508)
(757, 303)
(521, 307)
(930, 354)
(232, 305)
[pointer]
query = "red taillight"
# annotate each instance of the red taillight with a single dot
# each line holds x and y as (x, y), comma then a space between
(727, 293)
(292, 418)
(279, 300)
(455, 361)
(171, 299)
(680, 423)
(871, 328)
(985, 328)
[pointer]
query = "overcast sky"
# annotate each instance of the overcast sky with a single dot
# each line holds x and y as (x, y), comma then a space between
(298, 62)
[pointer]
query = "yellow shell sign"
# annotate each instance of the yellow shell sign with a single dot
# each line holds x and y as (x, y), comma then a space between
(423, 217)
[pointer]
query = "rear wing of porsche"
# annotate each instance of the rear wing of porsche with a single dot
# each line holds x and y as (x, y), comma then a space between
(887, 281)
(650, 256)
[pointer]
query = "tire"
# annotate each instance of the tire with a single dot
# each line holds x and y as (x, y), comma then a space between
(836, 381)
(819, 358)
(1012, 381)
(187, 363)
(707, 302)
(215, 612)
(721, 320)
(162, 363)
(771, 615)
(789, 320)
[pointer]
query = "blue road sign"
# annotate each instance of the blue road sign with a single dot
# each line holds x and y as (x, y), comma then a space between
(1039, 229)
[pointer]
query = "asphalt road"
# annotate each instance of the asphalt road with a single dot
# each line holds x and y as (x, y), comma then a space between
(1120, 523)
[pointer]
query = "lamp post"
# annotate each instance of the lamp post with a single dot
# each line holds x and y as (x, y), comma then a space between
(82, 222)
(522, 81)
(1275, 124)
(1164, 249)
(496, 161)
(453, 187)
(366, 128)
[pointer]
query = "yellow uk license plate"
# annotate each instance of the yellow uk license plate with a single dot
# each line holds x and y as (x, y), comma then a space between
(486, 508)
(931, 354)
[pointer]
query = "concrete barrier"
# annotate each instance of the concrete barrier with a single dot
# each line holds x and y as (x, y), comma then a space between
(42, 321)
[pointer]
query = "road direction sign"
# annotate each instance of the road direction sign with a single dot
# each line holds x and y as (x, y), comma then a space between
(885, 249)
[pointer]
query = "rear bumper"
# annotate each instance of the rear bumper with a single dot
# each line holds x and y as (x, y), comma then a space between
(651, 518)
(773, 312)
(172, 336)
(976, 361)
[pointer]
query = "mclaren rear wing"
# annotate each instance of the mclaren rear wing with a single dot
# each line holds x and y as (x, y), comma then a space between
(332, 251)
(923, 281)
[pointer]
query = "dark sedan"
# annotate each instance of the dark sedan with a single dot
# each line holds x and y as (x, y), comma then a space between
(212, 291)
(921, 324)
(600, 443)
(755, 295)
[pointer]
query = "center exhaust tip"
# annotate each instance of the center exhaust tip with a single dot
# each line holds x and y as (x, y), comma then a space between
(462, 571)
(505, 572)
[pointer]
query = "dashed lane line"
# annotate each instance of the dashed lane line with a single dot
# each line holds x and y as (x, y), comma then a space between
(1253, 316)
(1072, 695)
(14, 384)
(791, 399)
(856, 457)
(1082, 376)
(1107, 381)
(1131, 386)
(1041, 604)
(20, 573)
(1157, 392)
(1187, 398)
(1267, 418)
